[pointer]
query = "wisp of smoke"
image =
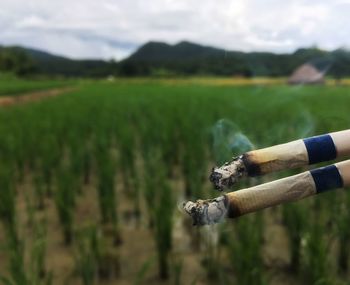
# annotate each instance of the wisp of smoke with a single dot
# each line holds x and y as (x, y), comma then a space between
(228, 141)
(303, 124)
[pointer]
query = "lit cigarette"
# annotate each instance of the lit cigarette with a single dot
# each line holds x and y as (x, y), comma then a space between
(284, 156)
(293, 188)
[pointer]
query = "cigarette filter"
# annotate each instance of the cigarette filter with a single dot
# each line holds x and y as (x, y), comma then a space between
(238, 203)
(284, 156)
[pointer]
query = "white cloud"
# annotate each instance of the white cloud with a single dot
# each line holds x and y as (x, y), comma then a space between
(32, 21)
(114, 28)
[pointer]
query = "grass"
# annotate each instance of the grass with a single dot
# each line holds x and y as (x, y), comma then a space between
(147, 144)
(10, 85)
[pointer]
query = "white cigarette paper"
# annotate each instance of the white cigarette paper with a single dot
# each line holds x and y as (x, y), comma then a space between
(289, 189)
(284, 156)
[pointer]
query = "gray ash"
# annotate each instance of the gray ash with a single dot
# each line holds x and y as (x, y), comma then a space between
(228, 174)
(206, 212)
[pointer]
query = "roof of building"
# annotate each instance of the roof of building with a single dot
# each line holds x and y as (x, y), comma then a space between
(306, 74)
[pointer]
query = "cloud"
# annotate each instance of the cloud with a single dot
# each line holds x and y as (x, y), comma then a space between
(110, 28)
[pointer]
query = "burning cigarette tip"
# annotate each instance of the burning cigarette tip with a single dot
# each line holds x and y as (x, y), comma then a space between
(228, 174)
(207, 212)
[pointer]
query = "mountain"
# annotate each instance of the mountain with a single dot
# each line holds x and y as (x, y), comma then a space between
(190, 58)
(47, 63)
(40, 62)
(183, 58)
(158, 51)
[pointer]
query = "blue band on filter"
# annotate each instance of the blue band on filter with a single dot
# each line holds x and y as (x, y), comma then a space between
(320, 148)
(327, 178)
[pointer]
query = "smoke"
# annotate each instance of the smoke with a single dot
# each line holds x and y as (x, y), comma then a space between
(303, 124)
(322, 64)
(228, 141)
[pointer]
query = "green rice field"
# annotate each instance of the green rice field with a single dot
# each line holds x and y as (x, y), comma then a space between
(10, 85)
(91, 182)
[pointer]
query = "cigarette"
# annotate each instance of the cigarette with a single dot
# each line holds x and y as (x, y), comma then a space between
(290, 155)
(289, 189)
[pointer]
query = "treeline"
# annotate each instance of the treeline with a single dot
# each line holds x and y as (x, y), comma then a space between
(28, 62)
(184, 58)
(16, 61)
(190, 59)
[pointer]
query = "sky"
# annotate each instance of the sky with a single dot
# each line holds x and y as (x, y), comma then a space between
(115, 28)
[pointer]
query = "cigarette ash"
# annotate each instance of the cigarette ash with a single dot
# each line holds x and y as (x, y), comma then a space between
(207, 212)
(228, 174)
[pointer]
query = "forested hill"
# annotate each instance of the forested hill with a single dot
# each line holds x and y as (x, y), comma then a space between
(184, 58)
(26, 61)
(190, 58)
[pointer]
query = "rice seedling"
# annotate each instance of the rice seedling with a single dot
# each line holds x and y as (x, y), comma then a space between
(94, 260)
(87, 161)
(80, 154)
(163, 216)
(163, 229)
(126, 147)
(342, 232)
(150, 185)
(76, 157)
(316, 264)
(33, 270)
(106, 192)
(140, 275)
(245, 250)
(65, 201)
(14, 245)
(295, 221)
(39, 190)
(106, 188)
(50, 158)
(177, 271)
(30, 209)
(87, 255)
(131, 178)
(17, 272)
(7, 203)
(161, 205)
(38, 252)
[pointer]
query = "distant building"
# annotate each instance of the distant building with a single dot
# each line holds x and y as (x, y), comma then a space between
(110, 78)
(306, 74)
